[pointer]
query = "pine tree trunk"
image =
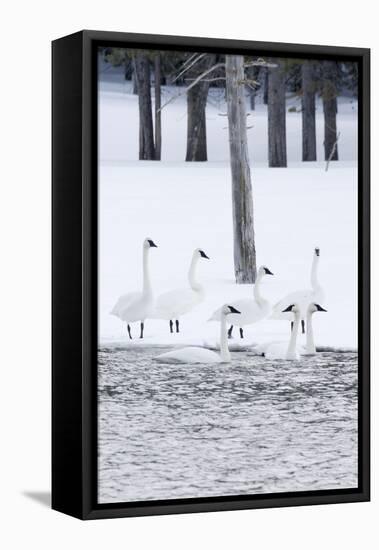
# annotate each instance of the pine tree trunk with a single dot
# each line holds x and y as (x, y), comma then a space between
(308, 111)
(329, 99)
(134, 83)
(142, 68)
(277, 143)
(196, 111)
(242, 195)
(157, 106)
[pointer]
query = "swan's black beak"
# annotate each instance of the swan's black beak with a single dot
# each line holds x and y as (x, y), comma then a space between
(203, 254)
(319, 308)
(233, 309)
(289, 308)
(268, 272)
(317, 251)
(152, 244)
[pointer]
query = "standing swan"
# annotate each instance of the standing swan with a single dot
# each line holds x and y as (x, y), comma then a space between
(302, 297)
(280, 350)
(175, 303)
(310, 348)
(137, 306)
(252, 310)
(203, 355)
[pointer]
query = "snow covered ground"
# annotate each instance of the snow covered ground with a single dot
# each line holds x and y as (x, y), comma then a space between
(182, 206)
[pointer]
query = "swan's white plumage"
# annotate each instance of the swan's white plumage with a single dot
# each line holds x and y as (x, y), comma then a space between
(302, 297)
(137, 306)
(203, 355)
(191, 355)
(175, 303)
(252, 309)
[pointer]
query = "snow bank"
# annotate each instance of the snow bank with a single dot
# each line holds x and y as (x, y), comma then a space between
(187, 205)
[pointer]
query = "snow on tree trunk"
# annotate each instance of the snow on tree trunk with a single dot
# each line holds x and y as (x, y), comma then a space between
(277, 145)
(142, 67)
(242, 196)
(329, 99)
(157, 106)
(308, 103)
(196, 107)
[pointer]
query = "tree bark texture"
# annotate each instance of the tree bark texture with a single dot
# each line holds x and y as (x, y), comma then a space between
(277, 142)
(242, 195)
(308, 111)
(142, 68)
(329, 99)
(196, 111)
(157, 106)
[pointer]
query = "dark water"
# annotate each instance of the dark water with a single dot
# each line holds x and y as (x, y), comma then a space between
(255, 426)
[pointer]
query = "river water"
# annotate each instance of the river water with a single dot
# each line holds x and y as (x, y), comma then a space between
(251, 427)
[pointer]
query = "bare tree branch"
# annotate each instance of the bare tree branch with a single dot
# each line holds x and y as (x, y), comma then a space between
(260, 63)
(332, 152)
(196, 81)
(184, 70)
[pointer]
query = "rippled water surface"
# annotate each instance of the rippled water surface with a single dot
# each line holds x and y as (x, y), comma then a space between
(181, 431)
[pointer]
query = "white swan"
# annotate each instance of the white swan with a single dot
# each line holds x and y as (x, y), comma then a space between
(137, 306)
(310, 348)
(175, 303)
(284, 350)
(301, 297)
(252, 310)
(203, 355)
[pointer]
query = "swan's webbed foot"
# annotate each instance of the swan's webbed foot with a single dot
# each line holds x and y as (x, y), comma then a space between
(177, 325)
(241, 332)
(230, 332)
(303, 326)
(171, 326)
(142, 327)
(129, 332)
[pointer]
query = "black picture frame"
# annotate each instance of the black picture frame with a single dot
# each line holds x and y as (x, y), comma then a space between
(74, 295)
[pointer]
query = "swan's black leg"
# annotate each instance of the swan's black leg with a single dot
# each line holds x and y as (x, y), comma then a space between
(171, 324)
(177, 325)
(241, 332)
(230, 331)
(142, 327)
(129, 332)
(303, 326)
(291, 326)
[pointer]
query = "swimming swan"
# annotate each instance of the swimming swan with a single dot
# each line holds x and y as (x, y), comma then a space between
(175, 303)
(301, 297)
(137, 306)
(203, 355)
(284, 350)
(310, 348)
(252, 310)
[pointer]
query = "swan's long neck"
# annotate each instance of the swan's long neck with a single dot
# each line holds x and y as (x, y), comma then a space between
(291, 351)
(194, 284)
(224, 348)
(314, 273)
(146, 289)
(257, 290)
(310, 344)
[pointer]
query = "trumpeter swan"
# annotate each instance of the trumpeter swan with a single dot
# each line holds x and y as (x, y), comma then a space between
(175, 303)
(279, 349)
(310, 348)
(203, 355)
(252, 309)
(284, 350)
(137, 306)
(302, 297)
